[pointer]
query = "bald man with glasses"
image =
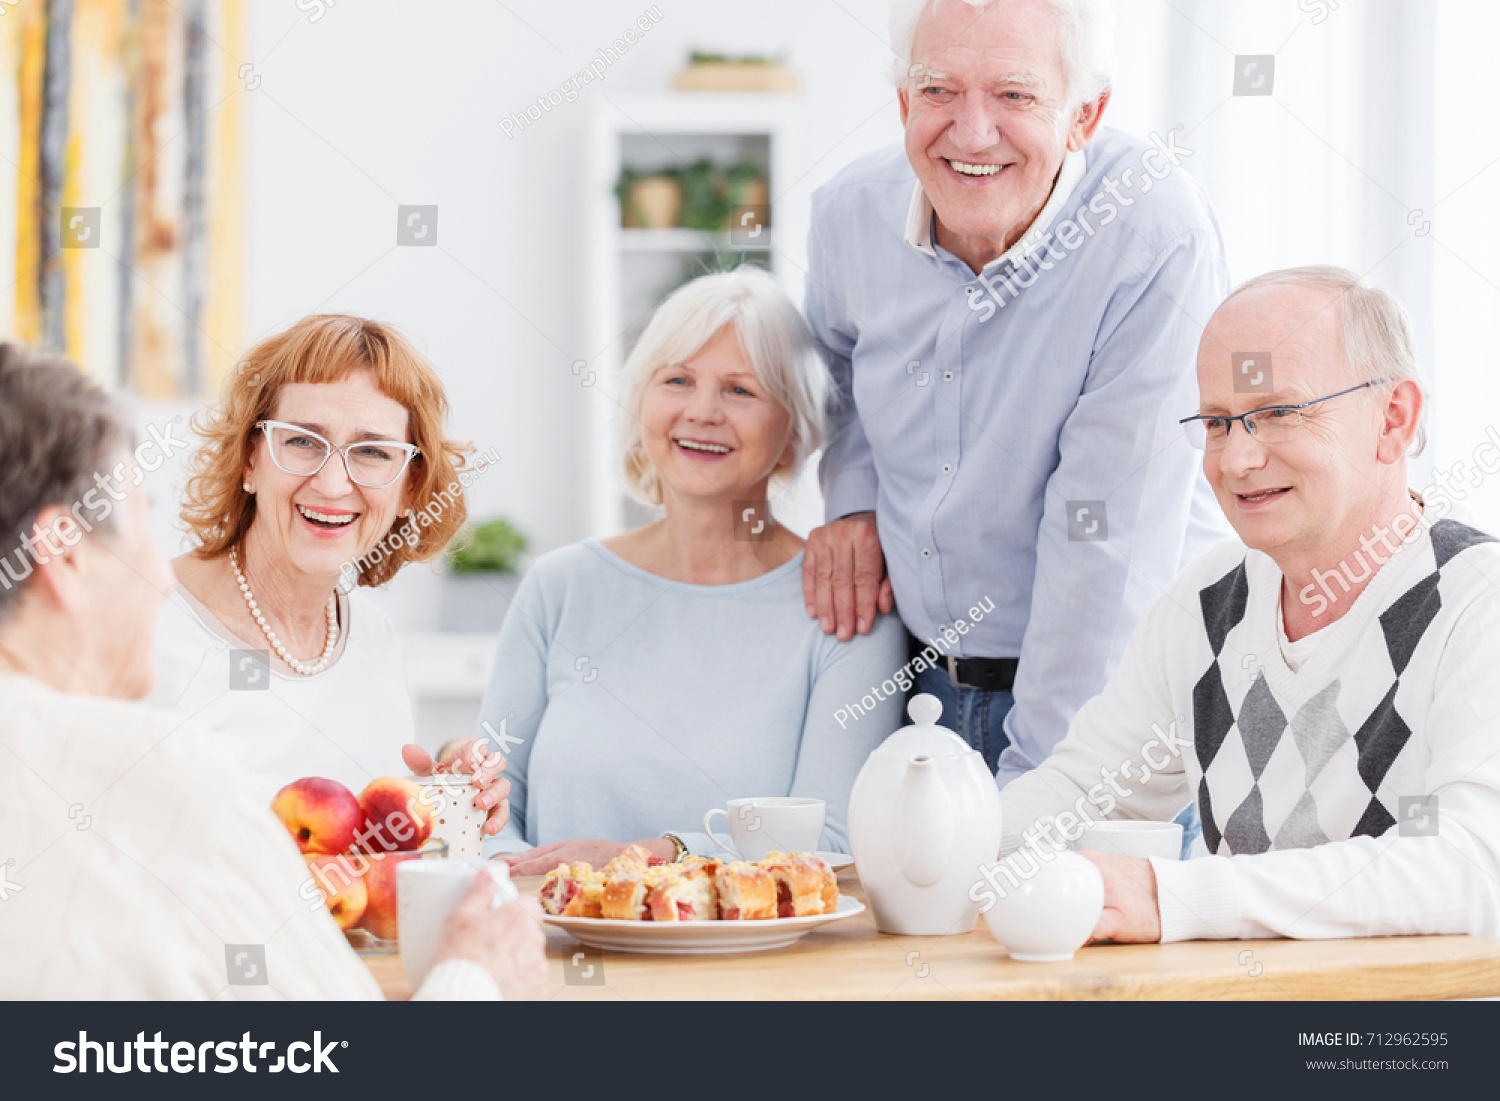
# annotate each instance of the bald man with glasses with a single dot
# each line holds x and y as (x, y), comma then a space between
(1321, 686)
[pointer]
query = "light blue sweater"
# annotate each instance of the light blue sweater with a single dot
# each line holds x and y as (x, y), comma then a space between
(641, 703)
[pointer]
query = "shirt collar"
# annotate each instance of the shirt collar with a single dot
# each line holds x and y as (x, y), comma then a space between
(919, 214)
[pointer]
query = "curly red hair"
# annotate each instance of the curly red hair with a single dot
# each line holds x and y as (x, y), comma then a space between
(326, 348)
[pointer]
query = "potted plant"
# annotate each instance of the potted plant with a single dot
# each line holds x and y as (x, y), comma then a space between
(745, 185)
(483, 573)
(648, 201)
(704, 204)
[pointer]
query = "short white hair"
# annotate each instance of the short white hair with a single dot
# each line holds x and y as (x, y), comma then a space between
(1375, 330)
(1086, 28)
(776, 342)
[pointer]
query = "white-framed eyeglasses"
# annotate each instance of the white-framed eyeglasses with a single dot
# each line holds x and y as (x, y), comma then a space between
(370, 463)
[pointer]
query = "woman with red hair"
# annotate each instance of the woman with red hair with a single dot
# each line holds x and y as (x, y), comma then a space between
(324, 468)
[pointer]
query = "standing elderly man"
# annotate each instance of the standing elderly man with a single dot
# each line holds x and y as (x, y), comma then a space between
(1332, 683)
(1009, 307)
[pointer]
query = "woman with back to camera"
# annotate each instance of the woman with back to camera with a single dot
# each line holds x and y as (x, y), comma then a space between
(644, 679)
(325, 456)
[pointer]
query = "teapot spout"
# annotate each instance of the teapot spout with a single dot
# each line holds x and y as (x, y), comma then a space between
(924, 823)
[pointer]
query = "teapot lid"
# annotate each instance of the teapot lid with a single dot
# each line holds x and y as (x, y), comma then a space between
(924, 736)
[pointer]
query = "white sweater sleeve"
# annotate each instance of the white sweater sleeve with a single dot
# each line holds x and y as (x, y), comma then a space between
(1392, 884)
(1122, 757)
(456, 980)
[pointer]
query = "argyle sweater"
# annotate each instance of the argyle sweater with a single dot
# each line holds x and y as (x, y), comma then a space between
(1359, 796)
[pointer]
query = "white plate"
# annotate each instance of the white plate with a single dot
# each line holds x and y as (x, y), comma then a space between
(833, 860)
(699, 938)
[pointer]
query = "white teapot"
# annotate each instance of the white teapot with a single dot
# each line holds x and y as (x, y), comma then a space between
(924, 815)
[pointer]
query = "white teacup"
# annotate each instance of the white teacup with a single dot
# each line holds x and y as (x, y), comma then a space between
(426, 893)
(769, 824)
(1052, 912)
(455, 818)
(1159, 839)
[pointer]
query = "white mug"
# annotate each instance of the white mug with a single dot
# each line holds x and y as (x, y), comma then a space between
(1134, 838)
(427, 891)
(769, 824)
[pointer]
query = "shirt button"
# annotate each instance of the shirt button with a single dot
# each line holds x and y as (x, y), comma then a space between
(947, 376)
(926, 552)
(947, 468)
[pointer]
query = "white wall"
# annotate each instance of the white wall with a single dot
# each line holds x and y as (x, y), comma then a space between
(382, 103)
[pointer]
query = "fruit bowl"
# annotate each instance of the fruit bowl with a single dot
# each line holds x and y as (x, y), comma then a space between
(375, 934)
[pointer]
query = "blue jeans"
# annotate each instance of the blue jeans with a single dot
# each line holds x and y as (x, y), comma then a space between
(976, 716)
(1192, 827)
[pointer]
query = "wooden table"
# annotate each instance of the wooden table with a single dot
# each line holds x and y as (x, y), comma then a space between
(851, 960)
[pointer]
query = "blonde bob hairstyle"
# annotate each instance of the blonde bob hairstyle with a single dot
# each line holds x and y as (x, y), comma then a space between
(776, 342)
(327, 348)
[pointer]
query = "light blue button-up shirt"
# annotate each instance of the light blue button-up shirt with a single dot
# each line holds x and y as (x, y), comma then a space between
(1015, 432)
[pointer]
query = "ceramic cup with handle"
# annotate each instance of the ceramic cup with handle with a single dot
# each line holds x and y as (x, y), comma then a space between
(427, 891)
(1046, 909)
(769, 824)
(1134, 838)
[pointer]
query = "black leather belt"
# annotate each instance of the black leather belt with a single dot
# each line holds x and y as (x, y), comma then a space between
(986, 674)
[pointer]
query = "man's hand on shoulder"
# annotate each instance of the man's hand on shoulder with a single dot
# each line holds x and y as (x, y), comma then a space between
(843, 576)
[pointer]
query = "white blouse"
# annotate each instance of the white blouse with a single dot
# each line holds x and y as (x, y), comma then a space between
(347, 723)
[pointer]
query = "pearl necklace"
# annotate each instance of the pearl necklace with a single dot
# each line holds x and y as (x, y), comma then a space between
(306, 668)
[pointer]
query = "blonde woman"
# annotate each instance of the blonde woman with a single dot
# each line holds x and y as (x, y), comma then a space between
(647, 678)
(326, 458)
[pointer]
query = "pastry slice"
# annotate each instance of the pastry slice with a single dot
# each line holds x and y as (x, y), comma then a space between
(624, 895)
(684, 892)
(805, 885)
(633, 859)
(572, 890)
(746, 892)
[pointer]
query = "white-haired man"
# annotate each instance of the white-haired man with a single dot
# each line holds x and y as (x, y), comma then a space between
(1331, 686)
(1009, 306)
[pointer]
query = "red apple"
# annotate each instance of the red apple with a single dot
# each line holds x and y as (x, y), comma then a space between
(339, 882)
(394, 817)
(380, 892)
(322, 815)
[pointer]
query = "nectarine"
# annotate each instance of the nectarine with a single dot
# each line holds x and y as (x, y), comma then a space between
(380, 893)
(322, 815)
(394, 817)
(339, 882)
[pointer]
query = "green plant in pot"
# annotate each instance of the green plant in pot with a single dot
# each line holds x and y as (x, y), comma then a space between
(491, 547)
(745, 185)
(704, 202)
(648, 200)
(483, 572)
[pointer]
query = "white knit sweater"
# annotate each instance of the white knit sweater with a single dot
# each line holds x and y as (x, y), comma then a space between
(1357, 797)
(136, 865)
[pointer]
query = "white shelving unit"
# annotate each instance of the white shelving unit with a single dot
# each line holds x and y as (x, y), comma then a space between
(630, 270)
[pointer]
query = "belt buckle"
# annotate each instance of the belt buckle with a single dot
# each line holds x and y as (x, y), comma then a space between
(953, 672)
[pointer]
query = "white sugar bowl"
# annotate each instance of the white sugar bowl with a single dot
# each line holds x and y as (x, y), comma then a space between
(1051, 912)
